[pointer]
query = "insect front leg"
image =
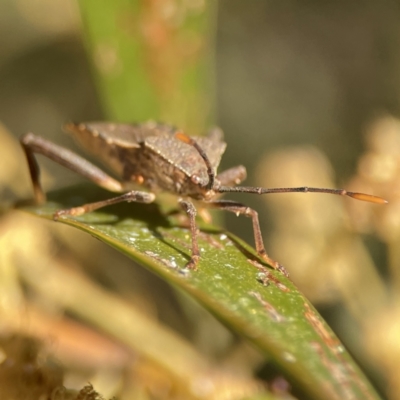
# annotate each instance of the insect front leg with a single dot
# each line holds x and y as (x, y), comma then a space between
(190, 210)
(232, 176)
(35, 144)
(241, 209)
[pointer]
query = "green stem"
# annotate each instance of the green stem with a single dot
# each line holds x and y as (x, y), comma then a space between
(152, 60)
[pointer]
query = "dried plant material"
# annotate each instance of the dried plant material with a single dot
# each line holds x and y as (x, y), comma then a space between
(379, 169)
(88, 393)
(382, 339)
(22, 375)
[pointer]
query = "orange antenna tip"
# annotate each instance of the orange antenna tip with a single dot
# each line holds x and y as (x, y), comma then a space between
(367, 197)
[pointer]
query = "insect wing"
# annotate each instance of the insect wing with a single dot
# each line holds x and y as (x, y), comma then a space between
(106, 141)
(123, 135)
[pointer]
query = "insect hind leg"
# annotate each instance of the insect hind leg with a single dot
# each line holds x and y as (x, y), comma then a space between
(35, 144)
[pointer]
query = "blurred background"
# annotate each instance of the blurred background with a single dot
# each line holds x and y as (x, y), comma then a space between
(307, 93)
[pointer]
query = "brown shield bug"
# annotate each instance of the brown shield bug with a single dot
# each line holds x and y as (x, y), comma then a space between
(160, 158)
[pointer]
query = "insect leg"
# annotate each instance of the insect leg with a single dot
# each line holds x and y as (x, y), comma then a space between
(134, 195)
(35, 144)
(190, 210)
(232, 176)
(241, 209)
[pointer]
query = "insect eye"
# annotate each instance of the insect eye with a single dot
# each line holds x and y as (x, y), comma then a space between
(195, 179)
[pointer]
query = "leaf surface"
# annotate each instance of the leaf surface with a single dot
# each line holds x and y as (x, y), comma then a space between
(249, 297)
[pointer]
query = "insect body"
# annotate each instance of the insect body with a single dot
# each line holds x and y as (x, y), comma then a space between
(160, 158)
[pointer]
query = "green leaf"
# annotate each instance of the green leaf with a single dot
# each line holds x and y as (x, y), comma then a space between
(151, 60)
(250, 298)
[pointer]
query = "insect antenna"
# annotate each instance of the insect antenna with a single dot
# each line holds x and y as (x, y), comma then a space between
(210, 171)
(304, 189)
